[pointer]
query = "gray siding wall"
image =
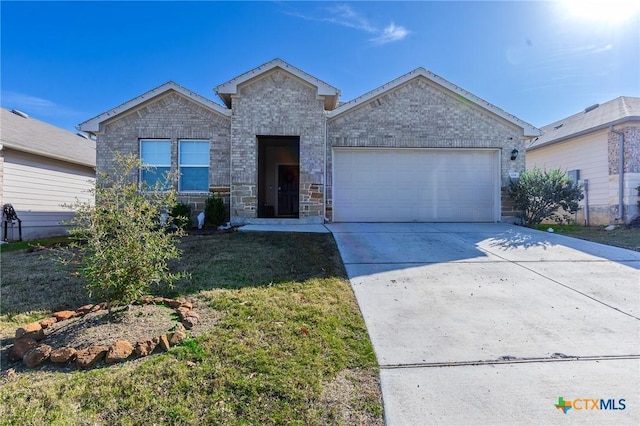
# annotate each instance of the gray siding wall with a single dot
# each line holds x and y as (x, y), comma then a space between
(276, 104)
(418, 114)
(42, 191)
(171, 116)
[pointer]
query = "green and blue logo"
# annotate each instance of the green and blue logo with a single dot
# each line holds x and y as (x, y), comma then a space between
(583, 404)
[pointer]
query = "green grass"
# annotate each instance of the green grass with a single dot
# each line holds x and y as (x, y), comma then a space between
(288, 325)
(23, 245)
(619, 237)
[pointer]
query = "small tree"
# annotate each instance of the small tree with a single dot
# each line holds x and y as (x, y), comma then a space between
(123, 243)
(539, 194)
(214, 211)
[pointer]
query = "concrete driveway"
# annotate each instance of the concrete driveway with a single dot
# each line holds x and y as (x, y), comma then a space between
(492, 323)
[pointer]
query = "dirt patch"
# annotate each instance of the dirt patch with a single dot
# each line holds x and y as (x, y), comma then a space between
(346, 398)
(133, 324)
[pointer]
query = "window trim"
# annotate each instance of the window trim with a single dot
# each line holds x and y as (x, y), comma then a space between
(207, 165)
(168, 165)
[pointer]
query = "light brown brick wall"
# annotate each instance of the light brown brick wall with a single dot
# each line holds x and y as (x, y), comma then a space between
(171, 116)
(419, 115)
(276, 104)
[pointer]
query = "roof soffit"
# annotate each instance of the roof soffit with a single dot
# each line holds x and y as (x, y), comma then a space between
(441, 84)
(226, 90)
(93, 125)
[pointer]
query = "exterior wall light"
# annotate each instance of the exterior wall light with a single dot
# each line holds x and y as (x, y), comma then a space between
(514, 154)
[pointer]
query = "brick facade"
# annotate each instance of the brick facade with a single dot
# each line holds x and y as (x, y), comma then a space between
(173, 117)
(631, 176)
(279, 101)
(419, 115)
(276, 104)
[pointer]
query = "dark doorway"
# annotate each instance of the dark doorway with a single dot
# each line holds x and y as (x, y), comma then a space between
(278, 176)
(288, 185)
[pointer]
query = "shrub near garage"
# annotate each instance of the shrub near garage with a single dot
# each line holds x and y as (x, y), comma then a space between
(541, 194)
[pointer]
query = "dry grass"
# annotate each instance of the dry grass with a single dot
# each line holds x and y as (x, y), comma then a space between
(628, 238)
(288, 346)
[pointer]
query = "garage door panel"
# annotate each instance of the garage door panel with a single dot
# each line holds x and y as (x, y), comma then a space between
(386, 185)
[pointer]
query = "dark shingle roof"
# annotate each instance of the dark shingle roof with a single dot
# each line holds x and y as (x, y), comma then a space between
(595, 117)
(40, 138)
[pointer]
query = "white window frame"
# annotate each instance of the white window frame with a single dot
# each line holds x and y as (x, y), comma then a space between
(206, 165)
(164, 165)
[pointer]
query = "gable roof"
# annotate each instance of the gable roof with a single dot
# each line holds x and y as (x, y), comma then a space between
(226, 90)
(93, 125)
(591, 119)
(33, 136)
(529, 130)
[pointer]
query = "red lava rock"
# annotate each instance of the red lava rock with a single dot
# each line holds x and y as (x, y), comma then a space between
(176, 337)
(159, 300)
(164, 342)
(83, 310)
(186, 304)
(193, 314)
(183, 312)
(145, 300)
(21, 347)
(48, 322)
(87, 357)
(62, 355)
(119, 351)
(144, 348)
(172, 303)
(37, 356)
(32, 330)
(64, 315)
(189, 322)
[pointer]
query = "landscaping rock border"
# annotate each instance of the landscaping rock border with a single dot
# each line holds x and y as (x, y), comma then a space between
(28, 345)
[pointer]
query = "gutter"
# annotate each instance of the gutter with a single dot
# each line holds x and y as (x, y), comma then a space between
(620, 173)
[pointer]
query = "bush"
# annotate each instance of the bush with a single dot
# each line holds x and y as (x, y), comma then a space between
(214, 211)
(541, 194)
(181, 214)
(122, 247)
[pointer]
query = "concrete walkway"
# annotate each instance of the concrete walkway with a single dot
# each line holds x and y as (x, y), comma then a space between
(492, 323)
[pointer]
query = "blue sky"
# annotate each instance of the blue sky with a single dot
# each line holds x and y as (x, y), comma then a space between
(66, 62)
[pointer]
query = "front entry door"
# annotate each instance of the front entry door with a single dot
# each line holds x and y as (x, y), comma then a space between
(288, 185)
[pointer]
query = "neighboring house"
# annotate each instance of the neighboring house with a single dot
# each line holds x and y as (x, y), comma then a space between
(283, 148)
(588, 146)
(42, 167)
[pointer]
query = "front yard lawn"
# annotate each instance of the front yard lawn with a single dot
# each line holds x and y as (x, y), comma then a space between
(288, 345)
(628, 238)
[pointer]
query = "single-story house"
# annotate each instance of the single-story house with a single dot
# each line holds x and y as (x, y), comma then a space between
(282, 147)
(42, 168)
(600, 147)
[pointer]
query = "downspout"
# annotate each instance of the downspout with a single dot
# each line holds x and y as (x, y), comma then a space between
(620, 173)
(324, 174)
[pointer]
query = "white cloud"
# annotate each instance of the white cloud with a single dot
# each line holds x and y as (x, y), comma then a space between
(390, 34)
(344, 15)
(26, 102)
(40, 108)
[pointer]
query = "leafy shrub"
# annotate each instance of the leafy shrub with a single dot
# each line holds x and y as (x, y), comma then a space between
(122, 247)
(214, 211)
(541, 194)
(181, 214)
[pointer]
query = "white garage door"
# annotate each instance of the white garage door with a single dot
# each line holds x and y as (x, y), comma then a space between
(409, 185)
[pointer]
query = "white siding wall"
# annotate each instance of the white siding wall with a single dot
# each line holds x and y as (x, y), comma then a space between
(588, 154)
(37, 187)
